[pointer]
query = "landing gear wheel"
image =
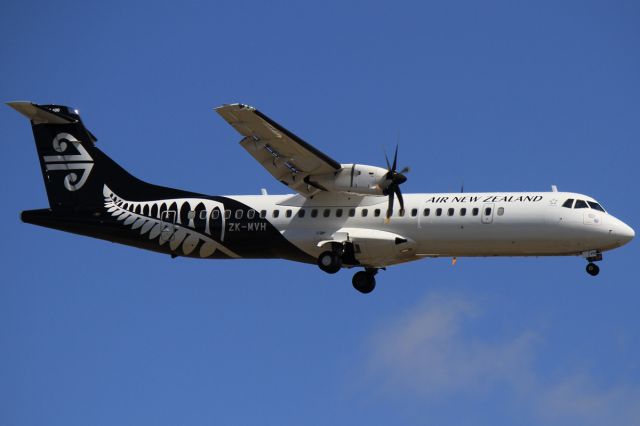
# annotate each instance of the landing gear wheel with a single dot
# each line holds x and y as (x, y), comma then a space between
(329, 262)
(593, 269)
(364, 282)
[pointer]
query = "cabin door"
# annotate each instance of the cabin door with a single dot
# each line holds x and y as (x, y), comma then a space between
(487, 212)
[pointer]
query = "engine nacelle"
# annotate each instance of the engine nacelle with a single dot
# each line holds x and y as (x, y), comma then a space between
(354, 179)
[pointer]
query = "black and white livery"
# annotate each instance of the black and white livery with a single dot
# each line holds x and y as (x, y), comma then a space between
(342, 215)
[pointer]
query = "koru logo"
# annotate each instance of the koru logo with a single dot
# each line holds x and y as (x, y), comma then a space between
(81, 161)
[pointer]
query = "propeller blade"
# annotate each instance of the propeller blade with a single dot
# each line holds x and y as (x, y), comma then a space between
(405, 170)
(395, 160)
(386, 159)
(390, 206)
(399, 194)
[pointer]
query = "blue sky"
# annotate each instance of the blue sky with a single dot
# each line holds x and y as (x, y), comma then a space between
(501, 95)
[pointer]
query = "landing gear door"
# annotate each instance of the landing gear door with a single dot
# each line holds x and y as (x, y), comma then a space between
(487, 212)
(168, 219)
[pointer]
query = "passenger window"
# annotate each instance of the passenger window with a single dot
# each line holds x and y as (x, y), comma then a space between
(414, 212)
(595, 206)
(227, 214)
(376, 212)
(438, 212)
(326, 212)
(426, 212)
(239, 214)
(251, 213)
(451, 212)
(401, 212)
(568, 204)
(263, 214)
(339, 213)
(288, 213)
(365, 212)
(463, 212)
(215, 213)
(203, 214)
(314, 212)
(301, 213)
(352, 212)
(580, 204)
(276, 213)
(487, 211)
(475, 211)
(500, 211)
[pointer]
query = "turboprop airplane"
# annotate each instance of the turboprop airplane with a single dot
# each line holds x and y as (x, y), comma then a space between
(342, 215)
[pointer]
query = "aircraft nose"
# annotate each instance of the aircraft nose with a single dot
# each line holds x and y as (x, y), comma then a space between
(622, 232)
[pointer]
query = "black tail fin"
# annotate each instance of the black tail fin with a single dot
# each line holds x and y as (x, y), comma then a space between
(74, 169)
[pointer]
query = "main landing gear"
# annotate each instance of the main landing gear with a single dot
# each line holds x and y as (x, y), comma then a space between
(330, 261)
(592, 256)
(365, 281)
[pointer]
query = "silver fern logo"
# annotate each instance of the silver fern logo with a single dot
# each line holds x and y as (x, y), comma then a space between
(70, 162)
(183, 223)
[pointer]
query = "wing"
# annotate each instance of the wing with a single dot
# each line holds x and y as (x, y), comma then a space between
(287, 157)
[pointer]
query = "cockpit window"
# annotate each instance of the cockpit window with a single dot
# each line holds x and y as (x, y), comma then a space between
(595, 206)
(581, 204)
(568, 204)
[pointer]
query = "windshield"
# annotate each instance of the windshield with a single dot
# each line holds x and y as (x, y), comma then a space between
(595, 206)
(571, 203)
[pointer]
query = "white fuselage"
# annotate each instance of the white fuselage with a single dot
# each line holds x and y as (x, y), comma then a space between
(436, 225)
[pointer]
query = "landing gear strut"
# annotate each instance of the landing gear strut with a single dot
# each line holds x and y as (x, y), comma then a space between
(365, 281)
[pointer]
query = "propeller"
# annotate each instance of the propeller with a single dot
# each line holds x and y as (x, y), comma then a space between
(393, 180)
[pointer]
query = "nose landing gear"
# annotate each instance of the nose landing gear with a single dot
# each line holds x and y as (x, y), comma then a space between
(593, 269)
(592, 256)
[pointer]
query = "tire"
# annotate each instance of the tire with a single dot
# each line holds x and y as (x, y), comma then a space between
(593, 269)
(364, 282)
(329, 262)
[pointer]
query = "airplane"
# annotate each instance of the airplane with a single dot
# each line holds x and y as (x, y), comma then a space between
(341, 215)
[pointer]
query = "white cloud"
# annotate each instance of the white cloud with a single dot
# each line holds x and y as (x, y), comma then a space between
(432, 353)
(575, 398)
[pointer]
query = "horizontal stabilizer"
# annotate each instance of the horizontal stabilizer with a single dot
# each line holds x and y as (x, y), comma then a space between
(40, 114)
(49, 114)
